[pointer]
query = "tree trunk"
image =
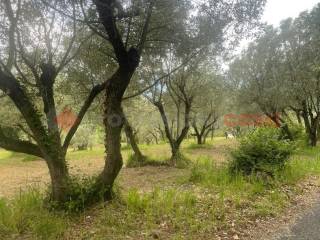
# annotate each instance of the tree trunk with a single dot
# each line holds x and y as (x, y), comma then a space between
(113, 123)
(212, 133)
(129, 133)
(200, 140)
(311, 126)
(59, 174)
(113, 162)
(313, 139)
(175, 155)
(298, 117)
(314, 132)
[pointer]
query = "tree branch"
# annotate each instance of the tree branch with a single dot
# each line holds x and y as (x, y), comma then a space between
(19, 145)
(93, 94)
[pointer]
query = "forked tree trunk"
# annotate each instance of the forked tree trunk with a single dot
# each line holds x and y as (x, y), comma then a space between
(175, 143)
(203, 134)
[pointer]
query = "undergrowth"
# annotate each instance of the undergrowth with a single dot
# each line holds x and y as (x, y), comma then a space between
(208, 200)
(27, 215)
(133, 161)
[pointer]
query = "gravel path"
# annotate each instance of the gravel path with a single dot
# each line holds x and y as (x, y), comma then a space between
(306, 227)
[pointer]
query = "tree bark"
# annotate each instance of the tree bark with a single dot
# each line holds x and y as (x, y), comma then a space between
(313, 139)
(311, 125)
(175, 155)
(174, 142)
(129, 133)
(113, 123)
(59, 177)
(199, 140)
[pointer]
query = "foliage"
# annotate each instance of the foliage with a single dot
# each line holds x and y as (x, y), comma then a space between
(82, 193)
(261, 152)
(279, 72)
(84, 138)
(298, 132)
(27, 215)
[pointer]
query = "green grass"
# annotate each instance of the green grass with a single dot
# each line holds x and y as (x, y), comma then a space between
(198, 146)
(309, 151)
(132, 161)
(151, 214)
(154, 152)
(265, 198)
(96, 152)
(206, 199)
(26, 215)
(7, 157)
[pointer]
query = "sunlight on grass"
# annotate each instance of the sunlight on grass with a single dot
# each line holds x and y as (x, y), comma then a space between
(5, 156)
(95, 152)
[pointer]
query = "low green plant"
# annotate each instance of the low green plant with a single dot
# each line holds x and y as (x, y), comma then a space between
(133, 161)
(82, 193)
(262, 152)
(159, 202)
(27, 215)
(193, 146)
(241, 191)
(297, 131)
(125, 147)
(179, 160)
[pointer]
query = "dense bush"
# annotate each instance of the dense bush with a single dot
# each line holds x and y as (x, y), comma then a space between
(263, 151)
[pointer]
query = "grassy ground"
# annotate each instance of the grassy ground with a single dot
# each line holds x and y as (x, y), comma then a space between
(201, 202)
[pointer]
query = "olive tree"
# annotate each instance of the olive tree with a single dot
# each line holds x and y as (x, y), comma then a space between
(128, 28)
(36, 46)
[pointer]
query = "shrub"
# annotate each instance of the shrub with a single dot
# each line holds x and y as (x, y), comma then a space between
(261, 152)
(82, 193)
(298, 132)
